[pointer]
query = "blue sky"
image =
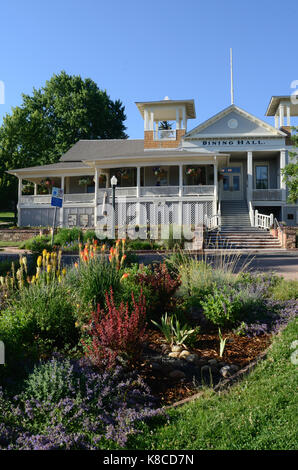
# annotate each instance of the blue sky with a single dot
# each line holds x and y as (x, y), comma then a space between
(144, 50)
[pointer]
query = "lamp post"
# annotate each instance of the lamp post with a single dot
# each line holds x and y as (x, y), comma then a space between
(114, 182)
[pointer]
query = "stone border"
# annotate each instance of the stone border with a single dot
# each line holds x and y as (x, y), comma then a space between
(223, 385)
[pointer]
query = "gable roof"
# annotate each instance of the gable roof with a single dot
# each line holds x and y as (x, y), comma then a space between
(257, 127)
(97, 149)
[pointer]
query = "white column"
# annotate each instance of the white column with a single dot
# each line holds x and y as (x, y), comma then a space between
(177, 118)
(276, 121)
(180, 180)
(151, 120)
(184, 118)
(288, 116)
(95, 196)
(215, 179)
(282, 183)
(249, 176)
(35, 189)
(281, 115)
(19, 201)
(61, 210)
(146, 127)
(138, 181)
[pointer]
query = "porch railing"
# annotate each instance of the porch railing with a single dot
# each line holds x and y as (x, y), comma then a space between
(263, 221)
(79, 198)
(267, 194)
(202, 190)
(165, 134)
(213, 221)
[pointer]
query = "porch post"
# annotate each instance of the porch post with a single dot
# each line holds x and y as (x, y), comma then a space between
(276, 121)
(95, 196)
(281, 115)
(249, 176)
(61, 210)
(288, 116)
(282, 183)
(35, 189)
(180, 180)
(19, 200)
(138, 208)
(215, 187)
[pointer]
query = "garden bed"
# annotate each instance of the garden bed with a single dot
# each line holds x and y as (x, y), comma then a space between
(202, 367)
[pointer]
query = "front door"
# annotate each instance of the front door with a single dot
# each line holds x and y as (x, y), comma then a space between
(232, 182)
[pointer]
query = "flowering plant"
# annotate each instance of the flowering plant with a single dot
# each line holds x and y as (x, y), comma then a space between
(191, 172)
(158, 171)
(84, 181)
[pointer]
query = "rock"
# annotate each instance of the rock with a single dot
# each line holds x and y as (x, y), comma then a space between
(156, 367)
(222, 364)
(193, 358)
(174, 354)
(234, 368)
(226, 371)
(212, 362)
(184, 354)
(176, 348)
(177, 374)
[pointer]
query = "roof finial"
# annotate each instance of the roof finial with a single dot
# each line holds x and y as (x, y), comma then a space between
(231, 66)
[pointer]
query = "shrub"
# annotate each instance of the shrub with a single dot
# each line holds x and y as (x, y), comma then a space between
(42, 316)
(130, 283)
(222, 307)
(117, 331)
(174, 333)
(142, 245)
(66, 235)
(37, 244)
(164, 285)
(68, 406)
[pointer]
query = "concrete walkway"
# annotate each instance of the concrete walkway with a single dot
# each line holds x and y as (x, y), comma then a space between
(284, 263)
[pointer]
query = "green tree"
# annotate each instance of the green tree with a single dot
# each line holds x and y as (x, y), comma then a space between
(52, 119)
(290, 172)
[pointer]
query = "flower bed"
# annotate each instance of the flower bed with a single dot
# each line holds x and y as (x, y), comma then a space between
(175, 326)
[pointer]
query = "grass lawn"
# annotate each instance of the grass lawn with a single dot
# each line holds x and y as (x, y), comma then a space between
(258, 413)
(6, 219)
(7, 243)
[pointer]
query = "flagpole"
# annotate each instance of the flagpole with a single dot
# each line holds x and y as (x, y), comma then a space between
(232, 86)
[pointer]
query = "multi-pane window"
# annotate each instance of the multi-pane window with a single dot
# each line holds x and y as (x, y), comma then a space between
(262, 177)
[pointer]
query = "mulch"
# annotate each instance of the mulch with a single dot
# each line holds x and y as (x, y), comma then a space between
(239, 350)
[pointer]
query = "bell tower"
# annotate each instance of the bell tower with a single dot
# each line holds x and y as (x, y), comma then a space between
(165, 122)
(283, 108)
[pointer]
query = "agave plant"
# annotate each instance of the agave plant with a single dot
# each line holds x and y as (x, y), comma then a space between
(174, 333)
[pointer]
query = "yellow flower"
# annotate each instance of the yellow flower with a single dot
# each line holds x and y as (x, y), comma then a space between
(39, 261)
(64, 271)
(76, 324)
(49, 267)
(44, 252)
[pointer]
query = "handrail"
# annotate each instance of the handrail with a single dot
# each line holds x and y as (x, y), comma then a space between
(212, 222)
(262, 220)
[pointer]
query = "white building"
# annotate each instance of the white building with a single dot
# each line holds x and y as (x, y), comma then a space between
(229, 166)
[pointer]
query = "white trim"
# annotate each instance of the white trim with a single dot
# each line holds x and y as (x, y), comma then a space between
(245, 114)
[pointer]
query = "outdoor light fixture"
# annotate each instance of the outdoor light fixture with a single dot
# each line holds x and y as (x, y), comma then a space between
(114, 181)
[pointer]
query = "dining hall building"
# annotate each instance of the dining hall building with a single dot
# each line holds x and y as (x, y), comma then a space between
(225, 173)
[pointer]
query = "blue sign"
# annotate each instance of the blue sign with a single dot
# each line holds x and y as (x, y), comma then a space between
(56, 202)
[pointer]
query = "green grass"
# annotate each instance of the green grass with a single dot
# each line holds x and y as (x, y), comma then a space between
(4, 244)
(286, 290)
(260, 412)
(6, 216)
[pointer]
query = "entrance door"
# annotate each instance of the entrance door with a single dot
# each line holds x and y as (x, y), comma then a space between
(232, 183)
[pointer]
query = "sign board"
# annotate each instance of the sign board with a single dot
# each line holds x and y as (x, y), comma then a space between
(56, 202)
(57, 192)
(57, 197)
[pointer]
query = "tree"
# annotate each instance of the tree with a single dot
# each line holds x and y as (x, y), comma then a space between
(51, 120)
(290, 172)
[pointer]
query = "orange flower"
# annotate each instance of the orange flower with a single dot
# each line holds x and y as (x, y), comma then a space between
(95, 242)
(125, 275)
(110, 258)
(76, 265)
(103, 247)
(112, 250)
(123, 258)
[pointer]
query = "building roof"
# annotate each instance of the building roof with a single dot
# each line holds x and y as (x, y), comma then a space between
(166, 106)
(275, 102)
(93, 150)
(53, 166)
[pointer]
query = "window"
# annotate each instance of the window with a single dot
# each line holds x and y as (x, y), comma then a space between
(262, 177)
(290, 216)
